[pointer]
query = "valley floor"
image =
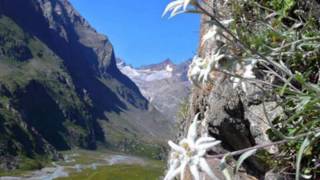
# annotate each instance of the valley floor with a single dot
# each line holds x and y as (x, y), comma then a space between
(95, 165)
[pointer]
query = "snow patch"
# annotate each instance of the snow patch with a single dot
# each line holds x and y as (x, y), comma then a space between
(169, 68)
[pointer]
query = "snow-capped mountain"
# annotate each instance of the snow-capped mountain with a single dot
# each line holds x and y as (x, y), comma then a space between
(164, 84)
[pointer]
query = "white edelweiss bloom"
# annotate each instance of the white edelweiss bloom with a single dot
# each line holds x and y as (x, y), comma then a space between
(190, 153)
(200, 69)
(216, 59)
(245, 71)
(215, 31)
(209, 35)
(176, 7)
(195, 70)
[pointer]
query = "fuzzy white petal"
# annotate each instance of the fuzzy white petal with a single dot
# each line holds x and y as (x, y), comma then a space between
(192, 131)
(176, 11)
(173, 166)
(210, 34)
(172, 6)
(175, 147)
(227, 22)
(235, 82)
(205, 140)
(201, 153)
(183, 169)
(195, 172)
(186, 3)
(206, 168)
(244, 87)
(172, 174)
(204, 146)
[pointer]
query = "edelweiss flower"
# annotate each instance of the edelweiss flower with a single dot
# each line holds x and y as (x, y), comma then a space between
(244, 71)
(200, 69)
(215, 32)
(176, 7)
(195, 70)
(190, 153)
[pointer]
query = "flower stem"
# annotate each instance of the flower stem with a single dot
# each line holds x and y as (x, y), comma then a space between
(261, 146)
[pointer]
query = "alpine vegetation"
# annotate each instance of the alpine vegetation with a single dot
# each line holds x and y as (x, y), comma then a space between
(273, 46)
(190, 154)
(177, 7)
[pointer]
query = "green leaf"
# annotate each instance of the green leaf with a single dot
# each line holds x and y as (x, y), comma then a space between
(304, 100)
(314, 87)
(303, 147)
(223, 166)
(243, 157)
(299, 77)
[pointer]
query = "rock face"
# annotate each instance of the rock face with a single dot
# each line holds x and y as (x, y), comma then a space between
(165, 85)
(230, 115)
(60, 86)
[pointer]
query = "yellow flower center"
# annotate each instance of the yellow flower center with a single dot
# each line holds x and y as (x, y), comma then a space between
(189, 151)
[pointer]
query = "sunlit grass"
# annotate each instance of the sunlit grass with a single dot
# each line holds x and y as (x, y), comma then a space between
(119, 172)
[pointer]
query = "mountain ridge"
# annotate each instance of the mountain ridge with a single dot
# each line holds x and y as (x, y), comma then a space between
(61, 88)
(164, 84)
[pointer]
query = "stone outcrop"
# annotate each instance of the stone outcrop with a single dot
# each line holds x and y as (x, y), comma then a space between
(230, 115)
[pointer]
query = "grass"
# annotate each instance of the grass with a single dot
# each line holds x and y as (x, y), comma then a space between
(26, 166)
(119, 172)
(17, 172)
(151, 170)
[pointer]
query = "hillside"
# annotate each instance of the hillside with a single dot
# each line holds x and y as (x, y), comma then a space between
(60, 87)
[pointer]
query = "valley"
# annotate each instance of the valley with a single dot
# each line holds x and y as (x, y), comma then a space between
(61, 90)
(90, 165)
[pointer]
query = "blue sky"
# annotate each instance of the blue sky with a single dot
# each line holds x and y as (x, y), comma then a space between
(137, 31)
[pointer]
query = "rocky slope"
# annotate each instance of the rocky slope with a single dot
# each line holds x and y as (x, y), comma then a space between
(164, 84)
(60, 86)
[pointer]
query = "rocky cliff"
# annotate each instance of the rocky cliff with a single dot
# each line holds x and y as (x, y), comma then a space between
(60, 86)
(227, 114)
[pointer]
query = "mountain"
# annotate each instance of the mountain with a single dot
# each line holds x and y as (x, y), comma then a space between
(164, 84)
(60, 87)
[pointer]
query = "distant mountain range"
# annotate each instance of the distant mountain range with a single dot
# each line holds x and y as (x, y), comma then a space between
(60, 88)
(164, 84)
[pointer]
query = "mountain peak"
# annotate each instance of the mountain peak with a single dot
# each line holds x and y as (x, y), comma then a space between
(159, 81)
(167, 65)
(167, 61)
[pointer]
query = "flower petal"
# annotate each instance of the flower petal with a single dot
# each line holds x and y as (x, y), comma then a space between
(201, 153)
(205, 140)
(185, 4)
(172, 170)
(205, 146)
(175, 147)
(244, 87)
(173, 164)
(171, 6)
(195, 172)
(183, 169)
(192, 132)
(227, 22)
(206, 168)
(176, 11)
(172, 174)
